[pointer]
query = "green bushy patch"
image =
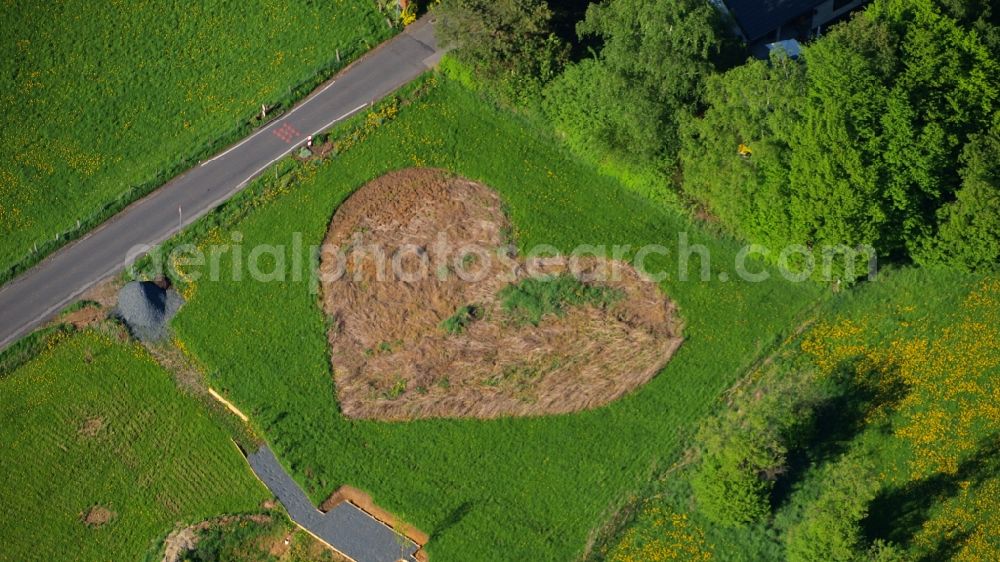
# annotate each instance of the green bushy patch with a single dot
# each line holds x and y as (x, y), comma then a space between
(464, 316)
(530, 300)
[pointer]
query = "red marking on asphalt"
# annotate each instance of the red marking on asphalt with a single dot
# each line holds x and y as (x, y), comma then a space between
(286, 133)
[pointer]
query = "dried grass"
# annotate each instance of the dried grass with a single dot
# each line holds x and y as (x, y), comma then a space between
(392, 359)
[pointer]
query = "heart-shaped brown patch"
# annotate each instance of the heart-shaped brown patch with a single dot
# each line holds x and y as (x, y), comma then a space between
(433, 315)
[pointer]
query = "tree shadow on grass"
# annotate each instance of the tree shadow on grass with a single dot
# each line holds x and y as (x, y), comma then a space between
(566, 15)
(453, 518)
(835, 422)
(899, 513)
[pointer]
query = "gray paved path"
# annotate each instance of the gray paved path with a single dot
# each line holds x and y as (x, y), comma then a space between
(39, 293)
(345, 527)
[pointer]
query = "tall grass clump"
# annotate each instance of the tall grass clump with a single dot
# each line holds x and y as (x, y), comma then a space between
(528, 301)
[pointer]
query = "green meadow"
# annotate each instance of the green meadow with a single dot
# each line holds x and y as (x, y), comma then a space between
(105, 102)
(93, 426)
(919, 345)
(505, 489)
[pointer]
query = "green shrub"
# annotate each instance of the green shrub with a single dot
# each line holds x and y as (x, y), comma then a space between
(510, 44)
(830, 529)
(530, 300)
(628, 100)
(745, 446)
(466, 315)
(882, 551)
(730, 492)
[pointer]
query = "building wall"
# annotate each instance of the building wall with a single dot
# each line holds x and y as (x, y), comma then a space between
(727, 16)
(825, 12)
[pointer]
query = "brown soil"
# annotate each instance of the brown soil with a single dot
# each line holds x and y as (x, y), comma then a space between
(104, 292)
(97, 516)
(84, 317)
(365, 503)
(91, 426)
(392, 359)
(100, 299)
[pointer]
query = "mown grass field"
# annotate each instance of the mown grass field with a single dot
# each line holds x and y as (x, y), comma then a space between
(99, 98)
(930, 332)
(507, 489)
(92, 422)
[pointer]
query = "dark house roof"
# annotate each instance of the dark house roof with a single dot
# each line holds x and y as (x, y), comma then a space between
(757, 18)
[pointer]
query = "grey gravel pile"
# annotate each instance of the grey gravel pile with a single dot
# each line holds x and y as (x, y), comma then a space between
(146, 308)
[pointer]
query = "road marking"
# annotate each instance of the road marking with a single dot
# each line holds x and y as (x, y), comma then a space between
(286, 132)
(285, 153)
(269, 125)
(307, 100)
(325, 88)
(351, 112)
(242, 142)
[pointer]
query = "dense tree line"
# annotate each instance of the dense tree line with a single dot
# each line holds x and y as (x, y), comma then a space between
(650, 72)
(884, 133)
(509, 43)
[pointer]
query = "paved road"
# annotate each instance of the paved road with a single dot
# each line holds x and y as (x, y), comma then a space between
(345, 527)
(39, 293)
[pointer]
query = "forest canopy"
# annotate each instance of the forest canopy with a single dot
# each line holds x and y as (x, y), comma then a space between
(884, 133)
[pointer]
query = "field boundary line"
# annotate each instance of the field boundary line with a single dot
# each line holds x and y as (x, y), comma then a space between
(232, 407)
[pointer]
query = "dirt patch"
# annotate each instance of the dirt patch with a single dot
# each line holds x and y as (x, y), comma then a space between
(93, 306)
(179, 543)
(91, 426)
(365, 502)
(398, 262)
(258, 537)
(85, 316)
(183, 540)
(104, 292)
(97, 516)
